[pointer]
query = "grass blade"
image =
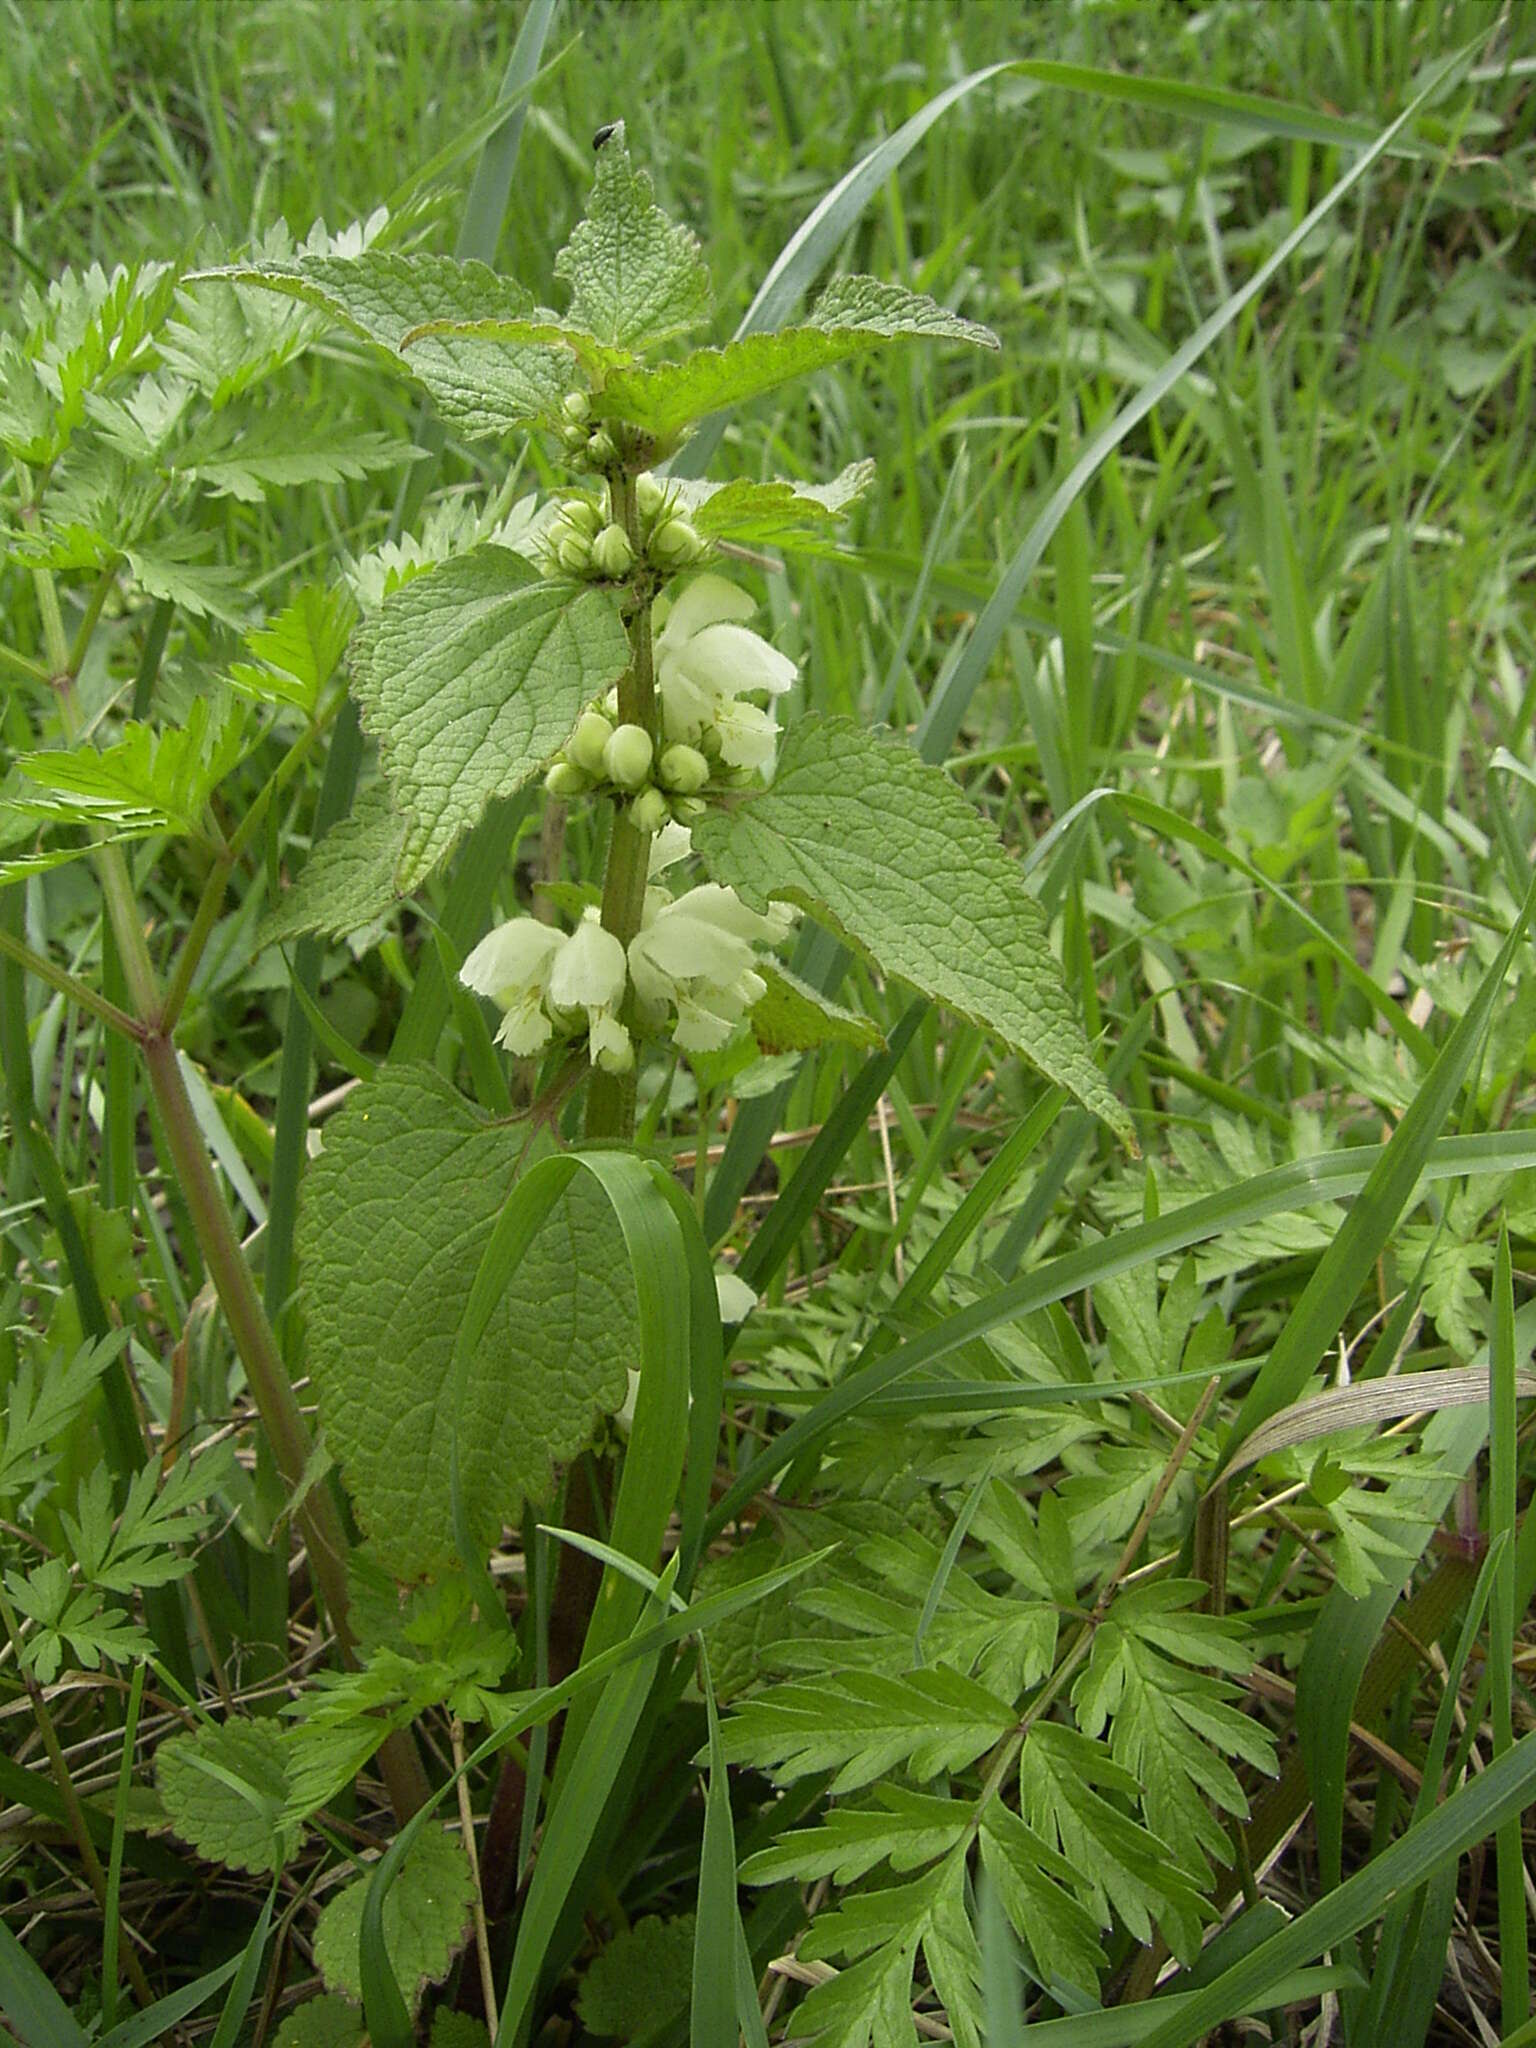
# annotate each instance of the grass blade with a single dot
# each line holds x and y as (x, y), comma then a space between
(1472, 1813)
(1345, 1266)
(1503, 1461)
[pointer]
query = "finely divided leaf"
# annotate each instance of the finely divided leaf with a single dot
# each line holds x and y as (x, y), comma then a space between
(1036, 1888)
(636, 278)
(148, 782)
(426, 1920)
(886, 850)
(246, 459)
(863, 1724)
(906, 1830)
(854, 316)
(224, 1789)
(349, 879)
(1115, 1861)
(471, 678)
(395, 1216)
(297, 651)
(1170, 1721)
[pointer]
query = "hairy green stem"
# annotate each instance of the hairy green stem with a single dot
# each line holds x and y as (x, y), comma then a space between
(611, 1097)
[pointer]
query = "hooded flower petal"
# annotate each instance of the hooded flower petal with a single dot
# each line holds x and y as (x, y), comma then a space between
(730, 659)
(588, 973)
(512, 958)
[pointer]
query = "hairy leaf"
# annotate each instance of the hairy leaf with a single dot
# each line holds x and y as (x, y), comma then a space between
(775, 514)
(426, 1920)
(792, 1017)
(636, 278)
(854, 316)
(472, 677)
(885, 849)
(224, 1788)
(348, 880)
(478, 386)
(324, 2022)
(396, 1213)
(639, 1978)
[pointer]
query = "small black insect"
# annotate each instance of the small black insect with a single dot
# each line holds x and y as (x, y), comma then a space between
(603, 134)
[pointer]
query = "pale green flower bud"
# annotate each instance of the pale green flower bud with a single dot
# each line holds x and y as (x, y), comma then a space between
(611, 706)
(601, 452)
(627, 756)
(564, 778)
(573, 437)
(574, 553)
(612, 554)
(585, 745)
(577, 407)
(649, 811)
(650, 494)
(673, 546)
(581, 515)
(688, 807)
(683, 769)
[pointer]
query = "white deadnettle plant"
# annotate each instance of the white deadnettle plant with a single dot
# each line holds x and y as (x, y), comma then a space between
(486, 1264)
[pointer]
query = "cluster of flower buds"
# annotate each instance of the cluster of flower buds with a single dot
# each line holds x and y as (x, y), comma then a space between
(605, 752)
(585, 539)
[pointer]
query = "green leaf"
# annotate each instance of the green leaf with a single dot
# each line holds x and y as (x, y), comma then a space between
(324, 2022)
(792, 1017)
(1035, 1885)
(169, 569)
(223, 1788)
(478, 386)
(853, 317)
(774, 514)
(471, 678)
(426, 1920)
(396, 1213)
(886, 850)
(1117, 1862)
(873, 1999)
(148, 782)
(636, 278)
(640, 1977)
(1170, 1722)
(45, 1398)
(457, 2030)
(299, 649)
(907, 1830)
(863, 1724)
(245, 459)
(70, 1619)
(348, 880)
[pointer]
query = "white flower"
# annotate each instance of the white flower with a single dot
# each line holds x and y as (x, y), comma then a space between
(707, 661)
(672, 843)
(511, 966)
(538, 977)
(735, 1297)
(696, 953)
(589, 974)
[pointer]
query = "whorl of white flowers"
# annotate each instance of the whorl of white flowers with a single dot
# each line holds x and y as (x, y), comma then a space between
(693, 963)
